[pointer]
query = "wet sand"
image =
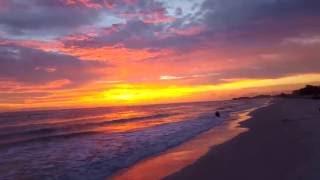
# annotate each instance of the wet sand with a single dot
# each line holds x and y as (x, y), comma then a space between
(173, 160)
(283, 143)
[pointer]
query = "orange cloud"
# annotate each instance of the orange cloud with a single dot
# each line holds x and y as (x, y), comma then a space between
(113, 54)
(12, 86)
(107, 53)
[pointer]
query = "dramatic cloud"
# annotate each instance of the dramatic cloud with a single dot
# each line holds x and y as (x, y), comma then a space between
(32, 66)
(80, 48)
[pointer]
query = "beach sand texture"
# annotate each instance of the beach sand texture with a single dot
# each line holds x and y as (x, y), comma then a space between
(283, 143)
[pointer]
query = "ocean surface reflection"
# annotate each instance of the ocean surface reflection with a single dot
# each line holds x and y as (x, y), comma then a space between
(94, 143)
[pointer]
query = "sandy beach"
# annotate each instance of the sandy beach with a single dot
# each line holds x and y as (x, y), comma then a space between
(175, 159)
(283, 143)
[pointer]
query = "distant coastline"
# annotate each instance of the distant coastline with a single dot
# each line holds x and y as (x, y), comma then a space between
(309, 91)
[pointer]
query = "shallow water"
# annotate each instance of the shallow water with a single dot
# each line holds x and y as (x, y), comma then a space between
(94, 143)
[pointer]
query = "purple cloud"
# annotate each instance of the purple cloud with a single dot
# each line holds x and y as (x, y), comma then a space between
(31, 66)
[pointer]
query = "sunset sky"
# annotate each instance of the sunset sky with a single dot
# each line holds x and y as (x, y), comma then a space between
(74, 53)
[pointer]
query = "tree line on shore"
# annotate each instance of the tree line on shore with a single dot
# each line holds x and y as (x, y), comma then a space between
(309, 91)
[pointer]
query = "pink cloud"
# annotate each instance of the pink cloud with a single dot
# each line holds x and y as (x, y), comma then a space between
(86, 3)
(157, 17)
(153, 16)
(130, 2)
(190, 31)
(4, 4)
(109, 4)
(112, 29)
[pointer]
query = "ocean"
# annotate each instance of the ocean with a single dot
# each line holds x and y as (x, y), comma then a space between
(94, 143)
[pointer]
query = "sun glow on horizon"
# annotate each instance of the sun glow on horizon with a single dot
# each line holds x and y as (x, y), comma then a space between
(133, 52)
(150, 93)
(141, 94)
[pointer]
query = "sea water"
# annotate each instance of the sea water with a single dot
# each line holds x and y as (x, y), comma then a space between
(94, 143)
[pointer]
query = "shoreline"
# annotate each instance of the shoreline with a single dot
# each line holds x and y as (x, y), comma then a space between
(283, 143)
(175, 159)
